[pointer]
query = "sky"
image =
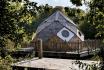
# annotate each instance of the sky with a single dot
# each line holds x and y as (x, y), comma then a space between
(65, 3)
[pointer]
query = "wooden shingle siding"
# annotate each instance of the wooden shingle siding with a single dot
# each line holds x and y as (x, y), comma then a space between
(49, 31)
(55, 23)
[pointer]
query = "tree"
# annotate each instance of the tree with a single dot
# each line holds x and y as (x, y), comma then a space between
(16, 22)
(20, 20)
(95, 18)
(97, 8)
(76, 2)
(88, 28)
(95, 15)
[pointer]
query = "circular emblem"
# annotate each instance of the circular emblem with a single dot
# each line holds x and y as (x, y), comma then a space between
(65, 33)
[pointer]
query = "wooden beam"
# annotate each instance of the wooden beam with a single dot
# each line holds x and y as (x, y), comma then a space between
(40, 48)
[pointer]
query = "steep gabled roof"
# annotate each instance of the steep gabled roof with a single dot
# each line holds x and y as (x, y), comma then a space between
(62, 19)
(55, 17)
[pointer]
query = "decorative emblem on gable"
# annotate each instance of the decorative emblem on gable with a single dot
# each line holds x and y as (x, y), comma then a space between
(65, 34)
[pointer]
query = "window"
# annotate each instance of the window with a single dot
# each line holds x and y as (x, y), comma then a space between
(79, 33)
(65, 33)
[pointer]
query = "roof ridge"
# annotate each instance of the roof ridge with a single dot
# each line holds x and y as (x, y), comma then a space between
(68, 19)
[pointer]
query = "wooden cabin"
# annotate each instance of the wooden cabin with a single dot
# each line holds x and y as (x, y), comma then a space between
(58, 28)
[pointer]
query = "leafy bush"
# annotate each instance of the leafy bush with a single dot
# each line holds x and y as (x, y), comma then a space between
(5, 63)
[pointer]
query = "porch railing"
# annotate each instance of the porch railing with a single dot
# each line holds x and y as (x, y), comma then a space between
(87, 45)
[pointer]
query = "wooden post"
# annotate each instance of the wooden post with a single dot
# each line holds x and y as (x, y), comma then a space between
(88, 49)
(78, 47)
(40, 48)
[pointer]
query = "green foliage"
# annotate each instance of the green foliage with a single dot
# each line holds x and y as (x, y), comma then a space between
(97, 16)
(76, 2)
(93, 25)
(15, 23)
(77, 15)
(5, 63)
(86, 66)
(88, 28)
